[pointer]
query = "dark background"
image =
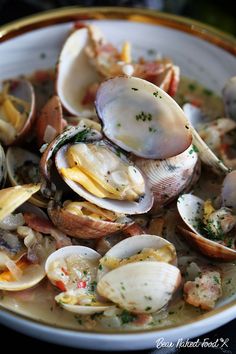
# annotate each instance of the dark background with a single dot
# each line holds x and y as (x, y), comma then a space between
(218, 13)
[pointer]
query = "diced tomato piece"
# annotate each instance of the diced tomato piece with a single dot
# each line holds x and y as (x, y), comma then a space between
(60, 285)
(81, 284)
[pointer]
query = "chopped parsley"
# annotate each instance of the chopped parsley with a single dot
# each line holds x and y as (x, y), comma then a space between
(143, 116)
(148, 308)
(134, 89)
(216, 279)
(127, 317)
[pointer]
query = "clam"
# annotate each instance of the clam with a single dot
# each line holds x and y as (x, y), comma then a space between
(229, 96)
(137, 274)
(17, 271)
(125, 102)
(100, 175)
(201, 218)
(3, 169)
(75, 73)
(169, 177)
(50, 121)
(78, 133)
(23, 167)
(73, 270)
(207, 156)
(17, 110)
(86, 220)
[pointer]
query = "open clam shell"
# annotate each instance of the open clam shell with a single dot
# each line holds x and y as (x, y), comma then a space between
(22, 167)
(11, 198)
(3, 169)
(140, 287)
(205, 153)
(62, 254)
(78, 133)
(117, 206)
(32, 275)
(23, 91)
(83, 226)
(134, 245)
(123, 102)
(75, 73)
(190, 209)
(169, 177)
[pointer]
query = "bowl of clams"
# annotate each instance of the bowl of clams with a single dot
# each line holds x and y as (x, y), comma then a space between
(117, 176)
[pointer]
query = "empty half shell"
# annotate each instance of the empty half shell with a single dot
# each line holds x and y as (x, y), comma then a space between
(75, 73)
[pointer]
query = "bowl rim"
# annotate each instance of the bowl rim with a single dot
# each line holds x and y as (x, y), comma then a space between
(76, 13)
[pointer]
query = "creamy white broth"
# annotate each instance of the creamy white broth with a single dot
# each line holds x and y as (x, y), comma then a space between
(38, 303)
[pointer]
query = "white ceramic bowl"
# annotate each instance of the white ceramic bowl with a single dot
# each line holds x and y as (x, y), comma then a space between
(202, 53)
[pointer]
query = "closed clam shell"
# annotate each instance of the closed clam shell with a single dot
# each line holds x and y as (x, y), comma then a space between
(133, 245)
(16, 158)
(169, 177)
(81, 251)
(82, 226)
(140, 287)
(190, 209)
(75, 73)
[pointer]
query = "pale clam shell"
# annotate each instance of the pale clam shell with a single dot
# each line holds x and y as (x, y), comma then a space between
(11, 198)
(15, 159)
(87, 253)
(131, 246)
(75, 73)
(190, 209)
(140, 287)
(31, 276)
(24, 90)
(82, 226)
(169, 177)
(117, 206)
(120, 103)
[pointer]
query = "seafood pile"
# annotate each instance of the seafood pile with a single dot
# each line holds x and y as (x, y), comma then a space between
(107, 185)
